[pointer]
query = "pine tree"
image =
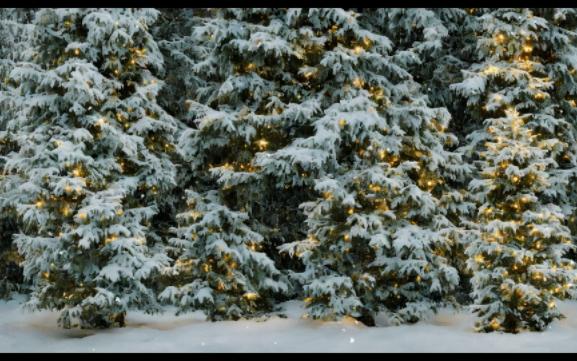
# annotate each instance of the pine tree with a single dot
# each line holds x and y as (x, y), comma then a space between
(439, 37)
(220, 269)
(526, 159)
(92, 151)
(249, 99)
(378, 237)
(14, 31)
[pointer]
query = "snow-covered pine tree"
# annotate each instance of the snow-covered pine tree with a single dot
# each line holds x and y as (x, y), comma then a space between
(254, 97)
(439, 37)
(14, 30)
(221, 269)
(93, 147)
(251, 97)
(378, 236)
(526, 159)
(559, 38)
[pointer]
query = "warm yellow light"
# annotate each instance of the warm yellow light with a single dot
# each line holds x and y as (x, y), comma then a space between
(358, 49)
(100, 122)
(347, 237)
(77, 172)
(262, 144)
(119, 212)
(40, 203)
(350, 211)
(76, 51)
(65, 210)
(251, 296)
(82, 216)
(479, 258)
(494, 324)
(527, 48)
(491, 70)
(110, 239)
(342, 123)
(358, 83)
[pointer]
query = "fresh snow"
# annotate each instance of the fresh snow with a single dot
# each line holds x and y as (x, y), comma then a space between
(449, 331)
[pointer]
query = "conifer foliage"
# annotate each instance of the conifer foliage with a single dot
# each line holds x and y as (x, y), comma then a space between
(372, 163)
(92, 159)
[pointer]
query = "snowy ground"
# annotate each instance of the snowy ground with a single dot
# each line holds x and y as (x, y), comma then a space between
(447, 332)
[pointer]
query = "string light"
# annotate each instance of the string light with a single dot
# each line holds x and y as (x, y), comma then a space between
(262, 144)
(251, 296)
(501, 38)
(358, 83)
(110, 239)
(77, 172)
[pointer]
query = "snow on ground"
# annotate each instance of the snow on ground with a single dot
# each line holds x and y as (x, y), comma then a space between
(449, 331)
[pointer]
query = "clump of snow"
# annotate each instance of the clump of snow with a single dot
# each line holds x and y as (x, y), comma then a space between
(448, 331)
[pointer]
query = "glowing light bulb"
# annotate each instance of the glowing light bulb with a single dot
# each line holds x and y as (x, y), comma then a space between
(251, 296)
(358, 82)
(262, 144)
(65, 210)
(494, 324)
(110, 239)
(342, 123)
(40, 203)
(501, 38)
(491, 70)
(82, 216)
